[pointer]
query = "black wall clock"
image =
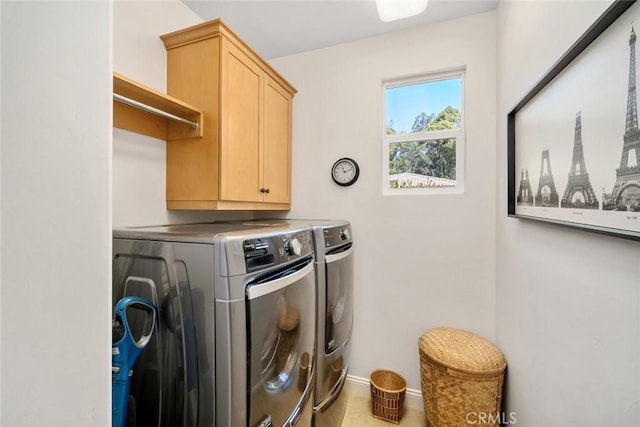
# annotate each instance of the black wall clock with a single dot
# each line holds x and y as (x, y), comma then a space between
(345, 171)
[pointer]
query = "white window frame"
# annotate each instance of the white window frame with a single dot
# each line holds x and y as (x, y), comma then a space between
(458, 134)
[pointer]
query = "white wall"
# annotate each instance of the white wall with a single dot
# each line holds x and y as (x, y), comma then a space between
(55, 214)
(567, 302)
(0, 219)
(139, 170)
(421, 261)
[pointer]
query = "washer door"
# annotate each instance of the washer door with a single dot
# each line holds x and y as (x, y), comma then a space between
(281, 320)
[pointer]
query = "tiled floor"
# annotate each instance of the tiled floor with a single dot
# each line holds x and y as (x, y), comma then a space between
(359, 414)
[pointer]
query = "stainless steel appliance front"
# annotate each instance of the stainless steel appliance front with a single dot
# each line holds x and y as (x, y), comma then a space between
(236, 324)
(334, 254)
(334, 275)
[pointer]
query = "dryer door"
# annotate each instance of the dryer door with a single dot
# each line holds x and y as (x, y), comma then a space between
(339, 297)
(281, 317)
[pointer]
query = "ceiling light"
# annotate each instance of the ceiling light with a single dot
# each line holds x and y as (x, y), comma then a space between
(391, 10)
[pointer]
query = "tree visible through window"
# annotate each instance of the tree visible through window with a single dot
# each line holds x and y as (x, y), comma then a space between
(423, 136)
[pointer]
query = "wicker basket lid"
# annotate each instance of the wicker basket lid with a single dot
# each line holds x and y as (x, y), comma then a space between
(462, 351)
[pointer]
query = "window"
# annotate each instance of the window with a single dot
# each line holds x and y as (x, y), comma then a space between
(423, 134)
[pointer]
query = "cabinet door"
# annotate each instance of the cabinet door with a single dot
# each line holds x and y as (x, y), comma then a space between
(240, 127)
(277, 143)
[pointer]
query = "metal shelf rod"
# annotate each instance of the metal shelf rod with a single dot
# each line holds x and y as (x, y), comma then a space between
(154, 110)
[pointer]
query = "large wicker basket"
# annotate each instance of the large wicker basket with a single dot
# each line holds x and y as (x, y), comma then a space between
(387, 395)
(461, 377)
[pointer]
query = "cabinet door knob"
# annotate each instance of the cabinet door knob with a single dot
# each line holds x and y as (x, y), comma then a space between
(266, 190)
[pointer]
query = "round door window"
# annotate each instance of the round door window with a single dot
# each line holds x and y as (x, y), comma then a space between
(279, 350)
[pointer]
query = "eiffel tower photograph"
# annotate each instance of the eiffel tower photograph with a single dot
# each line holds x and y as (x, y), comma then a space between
(547, 195)
(525, 195)
(625, 195)
(579, 193)
(582, 116)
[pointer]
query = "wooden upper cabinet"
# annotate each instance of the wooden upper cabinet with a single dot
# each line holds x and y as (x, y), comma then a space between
(240, 161)
(243, 160)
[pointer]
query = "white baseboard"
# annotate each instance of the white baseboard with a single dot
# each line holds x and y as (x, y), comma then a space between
(362, 387)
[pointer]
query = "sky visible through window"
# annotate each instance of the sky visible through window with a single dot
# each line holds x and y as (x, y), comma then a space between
(404, 103)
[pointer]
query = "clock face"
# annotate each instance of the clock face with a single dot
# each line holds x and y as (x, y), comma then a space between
(345, 171)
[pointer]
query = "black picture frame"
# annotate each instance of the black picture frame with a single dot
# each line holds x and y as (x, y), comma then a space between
(576, 206)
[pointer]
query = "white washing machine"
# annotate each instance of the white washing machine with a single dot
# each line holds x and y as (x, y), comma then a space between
(235, 339)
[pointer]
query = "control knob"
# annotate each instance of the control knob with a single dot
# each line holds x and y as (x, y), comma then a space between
(344, 234)
(293, 247)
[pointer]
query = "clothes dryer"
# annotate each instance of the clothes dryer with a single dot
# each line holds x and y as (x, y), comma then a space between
(235, 336)
(334, 252)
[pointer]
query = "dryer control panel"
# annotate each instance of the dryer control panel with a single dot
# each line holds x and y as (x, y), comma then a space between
(337, 236)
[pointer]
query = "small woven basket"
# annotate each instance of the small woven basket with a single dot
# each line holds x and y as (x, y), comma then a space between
(387, 395)
(461, 377)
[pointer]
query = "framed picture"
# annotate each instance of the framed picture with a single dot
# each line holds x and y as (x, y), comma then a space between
(574, 139)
